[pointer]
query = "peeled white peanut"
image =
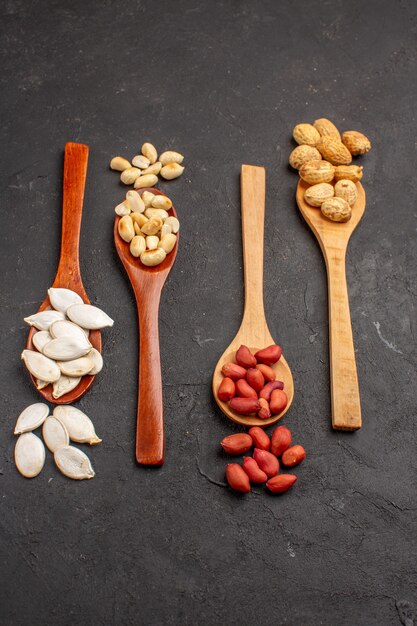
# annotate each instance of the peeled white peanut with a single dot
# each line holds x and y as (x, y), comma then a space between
(172, 170)
(173, 223)
(125, 228)
(139, 218)
(152, 242)
(140, 161)
(156, 213)
(171, 157)
(148, 180)
(150, 152)
(129, 176)
(165, 230)
(122, 209)
(137, 229)
(147, 198)
(119, 163)
(155, 168)
(153, 257)
(152, 226)
(161, 202)
(135, 202)
(137, 245)
(168, 242)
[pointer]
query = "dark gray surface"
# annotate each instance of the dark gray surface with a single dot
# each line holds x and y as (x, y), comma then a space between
(223, 82)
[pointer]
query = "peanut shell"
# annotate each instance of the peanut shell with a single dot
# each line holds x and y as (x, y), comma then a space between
(346, 189)
(348, 172)
(334, 151)
(317, 194)
(355, 142)
(303, 154)
(336, 210)
(314, 172)
(326, 128)
(306, 134)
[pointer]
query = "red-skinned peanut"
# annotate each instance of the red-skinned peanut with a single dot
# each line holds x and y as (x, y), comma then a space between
(245, 406)
(264, 412)
(244, 390)
(244, 357)
(278, 401)
(269, 388)
(267, 462)
(237, 444)
(255, 378)
(293, 456)
(237, 478)
(267, 372)
(227, 390)
(280, 440)
(269, 355)
(254, 472)
(260, 438)
(281, 483)
(233, 371)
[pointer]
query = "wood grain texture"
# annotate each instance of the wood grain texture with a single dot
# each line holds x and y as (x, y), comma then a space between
(253, 331)
(333, 238)
(147, 284)
(68, 274)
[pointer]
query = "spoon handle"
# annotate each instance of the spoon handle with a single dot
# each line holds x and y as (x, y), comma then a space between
(75, 172)
(252, 182)
(150, 416)
(346, 405)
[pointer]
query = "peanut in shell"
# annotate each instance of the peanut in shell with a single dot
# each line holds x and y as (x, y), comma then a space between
(314, 172)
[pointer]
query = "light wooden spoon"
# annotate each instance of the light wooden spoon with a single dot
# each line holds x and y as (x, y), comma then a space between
(333, 238)
(147, 283)
(68, 274)
(253, 331)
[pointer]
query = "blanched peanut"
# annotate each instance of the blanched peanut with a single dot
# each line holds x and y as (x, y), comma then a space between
(137, 229)
(171, 157)
(147, 198)
(150, 152)
(122, 209)
(165, 230)
(140, 161)
(161, 202)
(172, 170)
(129, 175)
(152, 242)
(149, 180)
(155, 168)
(137, 245)
(173, 223)
(168, 242)
(152, 226)
(156, 213)
(119, 164)
(125, 228)
(153, 257)
(135, 202)
(139, 218)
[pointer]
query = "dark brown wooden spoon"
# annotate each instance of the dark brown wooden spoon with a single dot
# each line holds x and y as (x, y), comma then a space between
(147, 283)
(68, 274)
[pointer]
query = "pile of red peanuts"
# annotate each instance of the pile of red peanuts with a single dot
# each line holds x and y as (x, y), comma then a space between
(249, 385)
(264, 466)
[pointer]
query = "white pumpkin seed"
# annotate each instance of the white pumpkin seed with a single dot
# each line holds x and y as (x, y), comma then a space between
(61, 298)
(29, 455)
(96, 357)
(40, 339)
(64, 328)
(32, 417)
(40, 366)
(54, 433)
(79, 426)
(77, 367)
(64, 385)
(73, 463)
(41, 384)
(89, 316)
(44, 319)
(67, 348)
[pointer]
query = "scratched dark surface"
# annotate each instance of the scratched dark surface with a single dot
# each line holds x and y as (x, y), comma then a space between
(223, 82)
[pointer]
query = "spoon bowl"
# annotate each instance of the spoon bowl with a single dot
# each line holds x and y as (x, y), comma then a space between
(254, 332)
(68, 275)
(147, 283)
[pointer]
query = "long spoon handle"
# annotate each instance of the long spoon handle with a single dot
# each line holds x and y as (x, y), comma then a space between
(252, 182)
(75, 172)
(150, 416)
(346, 405)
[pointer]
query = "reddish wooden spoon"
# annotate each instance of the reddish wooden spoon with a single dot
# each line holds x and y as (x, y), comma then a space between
(68, 274)
(147, 283)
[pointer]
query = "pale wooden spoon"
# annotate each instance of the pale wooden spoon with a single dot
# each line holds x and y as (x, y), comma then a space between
(253, 331)
(333, 238)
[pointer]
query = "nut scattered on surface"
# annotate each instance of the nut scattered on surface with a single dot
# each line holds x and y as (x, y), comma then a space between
(317, 194)
(346, 189)
(148, 180)
(129, 176)
(355, 142)
(119, 164)
(170, 156)
(336, 209)
(171, 171)
(149, 151)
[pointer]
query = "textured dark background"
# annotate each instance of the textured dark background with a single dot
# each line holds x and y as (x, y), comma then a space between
(223, 82)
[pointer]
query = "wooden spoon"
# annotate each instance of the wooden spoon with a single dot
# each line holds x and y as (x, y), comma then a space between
(68, 275)
(253, 331)
(147, 283)
(333, 238)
